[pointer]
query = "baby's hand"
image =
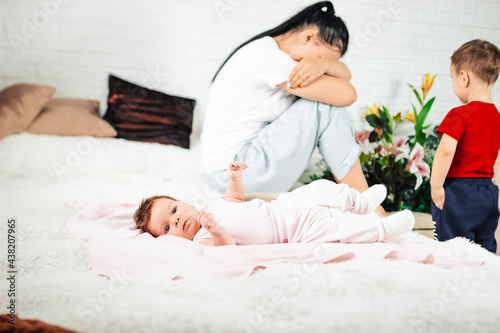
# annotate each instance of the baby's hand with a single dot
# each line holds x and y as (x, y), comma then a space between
(208, 222)
(235, 170)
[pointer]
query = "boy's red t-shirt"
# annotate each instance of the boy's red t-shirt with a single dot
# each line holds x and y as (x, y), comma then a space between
(476, 127)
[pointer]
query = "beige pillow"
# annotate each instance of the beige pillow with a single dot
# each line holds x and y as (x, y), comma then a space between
(72, 117)
(20, 104)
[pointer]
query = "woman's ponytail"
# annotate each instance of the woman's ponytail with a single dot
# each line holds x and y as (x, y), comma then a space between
(332, 29)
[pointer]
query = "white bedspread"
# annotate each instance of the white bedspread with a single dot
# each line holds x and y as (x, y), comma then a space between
(39, 174)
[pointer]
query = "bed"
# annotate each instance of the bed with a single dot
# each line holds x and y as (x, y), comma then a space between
(42, 176)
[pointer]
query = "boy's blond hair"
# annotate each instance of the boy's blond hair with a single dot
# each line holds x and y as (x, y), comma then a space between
(143, 214)
(479, 57)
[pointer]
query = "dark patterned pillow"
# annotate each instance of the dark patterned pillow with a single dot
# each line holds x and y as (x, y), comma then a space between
(142, 114)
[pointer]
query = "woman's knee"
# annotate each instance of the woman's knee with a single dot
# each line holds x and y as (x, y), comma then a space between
(305, 106)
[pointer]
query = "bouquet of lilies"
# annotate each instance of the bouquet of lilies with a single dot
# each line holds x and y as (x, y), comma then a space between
(401, 163)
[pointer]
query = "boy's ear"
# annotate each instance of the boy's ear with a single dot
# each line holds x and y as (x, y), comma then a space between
(465, 78)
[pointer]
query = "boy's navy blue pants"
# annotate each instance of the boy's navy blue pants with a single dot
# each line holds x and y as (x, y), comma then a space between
(470, 210)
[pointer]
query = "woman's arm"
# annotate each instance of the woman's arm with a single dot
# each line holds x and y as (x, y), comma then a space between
(326, 89)
(309, 69)
(324, 80)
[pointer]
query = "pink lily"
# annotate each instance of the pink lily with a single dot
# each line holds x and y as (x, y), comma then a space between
(361, 136)
(399, 146)
(416, 164)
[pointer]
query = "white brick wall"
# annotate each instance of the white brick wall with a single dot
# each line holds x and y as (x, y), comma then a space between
(176, 46)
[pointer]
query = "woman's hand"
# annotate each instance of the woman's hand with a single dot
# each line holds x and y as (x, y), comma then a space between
(309, 69)
(306, 71)
(208, 222)
(235, 170)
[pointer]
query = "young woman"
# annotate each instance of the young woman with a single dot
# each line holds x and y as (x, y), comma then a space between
(254, 114)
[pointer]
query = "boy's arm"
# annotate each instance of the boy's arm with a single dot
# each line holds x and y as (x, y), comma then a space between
(236, 188)
(440, 167)
(219, 235)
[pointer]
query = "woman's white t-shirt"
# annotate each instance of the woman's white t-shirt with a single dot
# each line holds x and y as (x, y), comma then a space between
(243, 99)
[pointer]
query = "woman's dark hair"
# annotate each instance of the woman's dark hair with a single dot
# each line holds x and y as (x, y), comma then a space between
(332, 29)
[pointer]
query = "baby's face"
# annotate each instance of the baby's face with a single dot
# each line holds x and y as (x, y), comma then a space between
(174, 218)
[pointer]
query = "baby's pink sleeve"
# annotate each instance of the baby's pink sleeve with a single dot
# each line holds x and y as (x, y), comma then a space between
(202, 235)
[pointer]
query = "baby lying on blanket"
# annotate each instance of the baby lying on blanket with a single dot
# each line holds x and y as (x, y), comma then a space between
(312, 213)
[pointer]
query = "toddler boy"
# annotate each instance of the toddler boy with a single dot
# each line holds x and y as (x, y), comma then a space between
(464, 198)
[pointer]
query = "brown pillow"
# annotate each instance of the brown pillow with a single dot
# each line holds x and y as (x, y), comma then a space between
(142, 114)
(20, 104)
(71, 116)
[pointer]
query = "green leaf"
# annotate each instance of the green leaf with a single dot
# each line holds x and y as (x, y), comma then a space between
(416, 94)
(420, 138)
(431, 142)
(374, 121)
(425, 111)
(388, 115)
(398, 118)
(383, 118)
(414, 112)
(435, 130)
(417, 124)
(373, 137)
(386, 135)
(363, 158)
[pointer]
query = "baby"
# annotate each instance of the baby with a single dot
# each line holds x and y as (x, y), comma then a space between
(312, 213)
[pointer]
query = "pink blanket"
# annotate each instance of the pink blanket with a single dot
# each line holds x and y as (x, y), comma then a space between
(115, 247)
